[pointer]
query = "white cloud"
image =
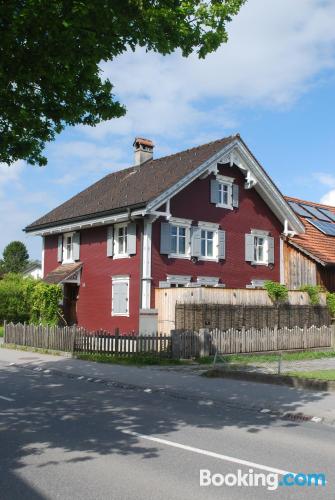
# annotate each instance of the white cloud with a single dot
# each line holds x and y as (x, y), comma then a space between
(275, 51)
(329, 198)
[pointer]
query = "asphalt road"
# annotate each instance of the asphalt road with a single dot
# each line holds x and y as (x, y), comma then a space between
(63, 438)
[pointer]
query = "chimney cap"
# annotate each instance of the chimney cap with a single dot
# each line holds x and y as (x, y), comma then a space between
(141, 141)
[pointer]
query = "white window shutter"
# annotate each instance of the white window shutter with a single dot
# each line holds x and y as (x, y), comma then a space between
(165, 238)
(60, 248)
(271, 250)
(215, 194)
(76, 246)
(131, 238)
(110, 241)
(195, 241)
(236, 195)
(249, 247)
(221, 244)
(120, 298)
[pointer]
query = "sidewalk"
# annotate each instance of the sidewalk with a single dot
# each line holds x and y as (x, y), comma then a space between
(186, 383)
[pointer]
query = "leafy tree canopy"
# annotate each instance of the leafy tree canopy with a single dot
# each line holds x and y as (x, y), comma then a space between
(15, 258)
(50, 52)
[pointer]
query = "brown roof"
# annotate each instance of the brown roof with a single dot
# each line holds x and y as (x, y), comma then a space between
(62, 272)
(131, 187)
(314, 241)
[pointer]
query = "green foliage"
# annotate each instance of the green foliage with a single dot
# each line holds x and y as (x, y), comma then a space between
(331, 303)
(25, 299)
(51, 51)
(45, 301)
(276, 291)
(15, 258)
(136, 359)
(313, 292)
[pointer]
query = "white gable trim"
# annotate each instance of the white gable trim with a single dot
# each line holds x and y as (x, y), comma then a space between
(236, 153)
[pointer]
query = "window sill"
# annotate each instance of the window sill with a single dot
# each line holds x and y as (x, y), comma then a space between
(121, 256)
(68, 261)
(120, 314)
(228, 207)
(266, 264)
(209, 259)
(177, 256)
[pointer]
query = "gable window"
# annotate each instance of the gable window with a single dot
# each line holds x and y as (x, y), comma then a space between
(120, 296)
(224, 192)
(207, 243)
(259, 247)
(121, 240)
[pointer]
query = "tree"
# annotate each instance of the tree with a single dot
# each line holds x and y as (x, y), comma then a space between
(15, 257)
(50, 53)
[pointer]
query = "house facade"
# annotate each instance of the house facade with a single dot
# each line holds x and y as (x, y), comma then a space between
(208, 216)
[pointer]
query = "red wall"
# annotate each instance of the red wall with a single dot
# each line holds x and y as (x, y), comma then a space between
(94, 303)
(253, 213)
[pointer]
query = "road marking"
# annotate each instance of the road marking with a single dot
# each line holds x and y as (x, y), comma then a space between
(212, 454)
(6, 399)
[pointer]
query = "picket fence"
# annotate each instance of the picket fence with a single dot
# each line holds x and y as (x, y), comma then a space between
(78, 340)
(180, 344)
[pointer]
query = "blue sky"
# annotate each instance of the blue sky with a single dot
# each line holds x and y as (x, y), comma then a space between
(274, 83)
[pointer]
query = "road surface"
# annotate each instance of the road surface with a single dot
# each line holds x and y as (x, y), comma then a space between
(73, 438)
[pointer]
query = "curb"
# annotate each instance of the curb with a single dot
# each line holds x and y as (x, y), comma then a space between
(268, 378)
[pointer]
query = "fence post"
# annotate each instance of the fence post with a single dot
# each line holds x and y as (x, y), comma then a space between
(176, 344)
(5, 331)
(204, 341)
(332, 327)
(24, 332)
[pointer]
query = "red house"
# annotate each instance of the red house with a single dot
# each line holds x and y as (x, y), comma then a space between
(209, 215)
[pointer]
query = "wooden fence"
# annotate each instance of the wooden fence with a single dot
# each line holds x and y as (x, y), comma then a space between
(77, 339)
(224, 316)
(167, 298)
(189, 344)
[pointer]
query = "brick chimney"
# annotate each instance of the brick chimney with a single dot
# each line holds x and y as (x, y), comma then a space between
(143, 150)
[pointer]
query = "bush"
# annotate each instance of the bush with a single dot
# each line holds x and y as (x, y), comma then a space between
(276, 291)
(26, 299)
(331, 303)
(313, 292)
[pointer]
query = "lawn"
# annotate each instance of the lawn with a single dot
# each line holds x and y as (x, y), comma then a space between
(267, 358)
(317, 374)
(1, 331)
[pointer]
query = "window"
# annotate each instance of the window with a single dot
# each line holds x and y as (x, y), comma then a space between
(207, 243)
(259, 247)
(178, 240)
(68, 247)
(120, 296)
(224, 193)
(175, 281)
(121, 240)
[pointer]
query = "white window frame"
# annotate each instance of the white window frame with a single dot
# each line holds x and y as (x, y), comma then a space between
(67, 260)
(265, 235)
(175, 281)
(186, 224)
(228, 182)
(116, 253)
(121, 279)
(209, 226)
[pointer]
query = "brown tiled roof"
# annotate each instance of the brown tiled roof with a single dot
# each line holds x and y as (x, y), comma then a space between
(62, 272)
(314, 241)
(131, 187)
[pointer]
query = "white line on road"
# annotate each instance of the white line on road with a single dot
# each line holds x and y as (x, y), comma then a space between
(6, 399)
(209, 453)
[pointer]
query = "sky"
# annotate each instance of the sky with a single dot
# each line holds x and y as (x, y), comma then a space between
(274, 83)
